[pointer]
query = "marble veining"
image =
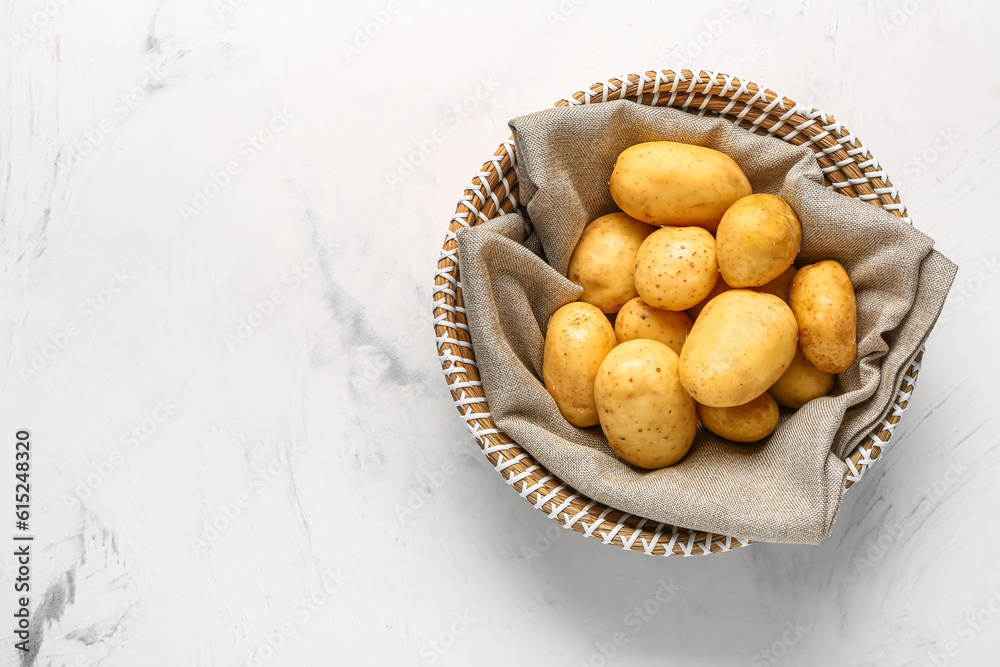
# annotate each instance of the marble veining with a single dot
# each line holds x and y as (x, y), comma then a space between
(218, 228)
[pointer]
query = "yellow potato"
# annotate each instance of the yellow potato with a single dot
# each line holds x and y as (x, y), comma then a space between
(649, 419)
(800, 383)
(604, 258)
(822, 298)
(579, 336)
(780, 286)
(720, 287)
(637, 319)
(667, 183)
(758, 238)
(676, 268)
(749, 422)
(740, 344)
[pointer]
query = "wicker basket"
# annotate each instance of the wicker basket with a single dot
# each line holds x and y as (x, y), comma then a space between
(848, 167)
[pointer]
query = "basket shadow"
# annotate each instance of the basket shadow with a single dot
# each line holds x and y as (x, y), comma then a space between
(722, 609)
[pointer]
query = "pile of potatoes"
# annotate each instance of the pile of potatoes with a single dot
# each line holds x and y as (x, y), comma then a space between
(711, 319)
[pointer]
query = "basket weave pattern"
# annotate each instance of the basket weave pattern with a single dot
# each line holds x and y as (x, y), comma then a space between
(847, 166)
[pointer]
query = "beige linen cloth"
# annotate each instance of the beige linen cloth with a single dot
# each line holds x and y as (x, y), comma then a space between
(787, 488)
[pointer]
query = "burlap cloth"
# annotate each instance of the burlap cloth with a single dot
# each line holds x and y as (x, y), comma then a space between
(786, 489)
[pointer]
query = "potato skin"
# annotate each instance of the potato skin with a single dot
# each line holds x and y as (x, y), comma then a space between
(758, 238)
(637, 319)
(780, 286)
(822, 298)
(648, 418)
(740, 344)
(720, 287)
(800, 383)
(676, 267)
(604, 258)
(578, 338)
(668, 183)
(749, 422)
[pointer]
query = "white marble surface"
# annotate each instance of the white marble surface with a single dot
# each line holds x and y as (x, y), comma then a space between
(215, 310)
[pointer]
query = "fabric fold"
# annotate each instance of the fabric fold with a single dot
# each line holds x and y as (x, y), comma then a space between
(787, 488)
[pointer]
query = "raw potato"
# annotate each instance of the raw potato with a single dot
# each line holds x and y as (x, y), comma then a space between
(749, 422)
(780, 286)
(676, 267)
(637, 319)
(757, 240)
(822, 298)
(649, 419)
(720, 287)
(604, 258)
(801, 383)
(579, 336)
(666, 183)
(740, 344)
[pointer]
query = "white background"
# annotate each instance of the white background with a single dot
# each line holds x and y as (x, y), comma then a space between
(306, 429)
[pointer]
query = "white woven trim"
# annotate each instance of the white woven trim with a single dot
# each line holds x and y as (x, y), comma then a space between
(598, 522)
(571, 521)
(812, 114)
(609, 537)
(453, 364)
(636, 532)
(483, 191)
(857, 471)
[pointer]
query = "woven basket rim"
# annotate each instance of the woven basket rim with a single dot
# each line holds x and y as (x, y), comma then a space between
(848, 167)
